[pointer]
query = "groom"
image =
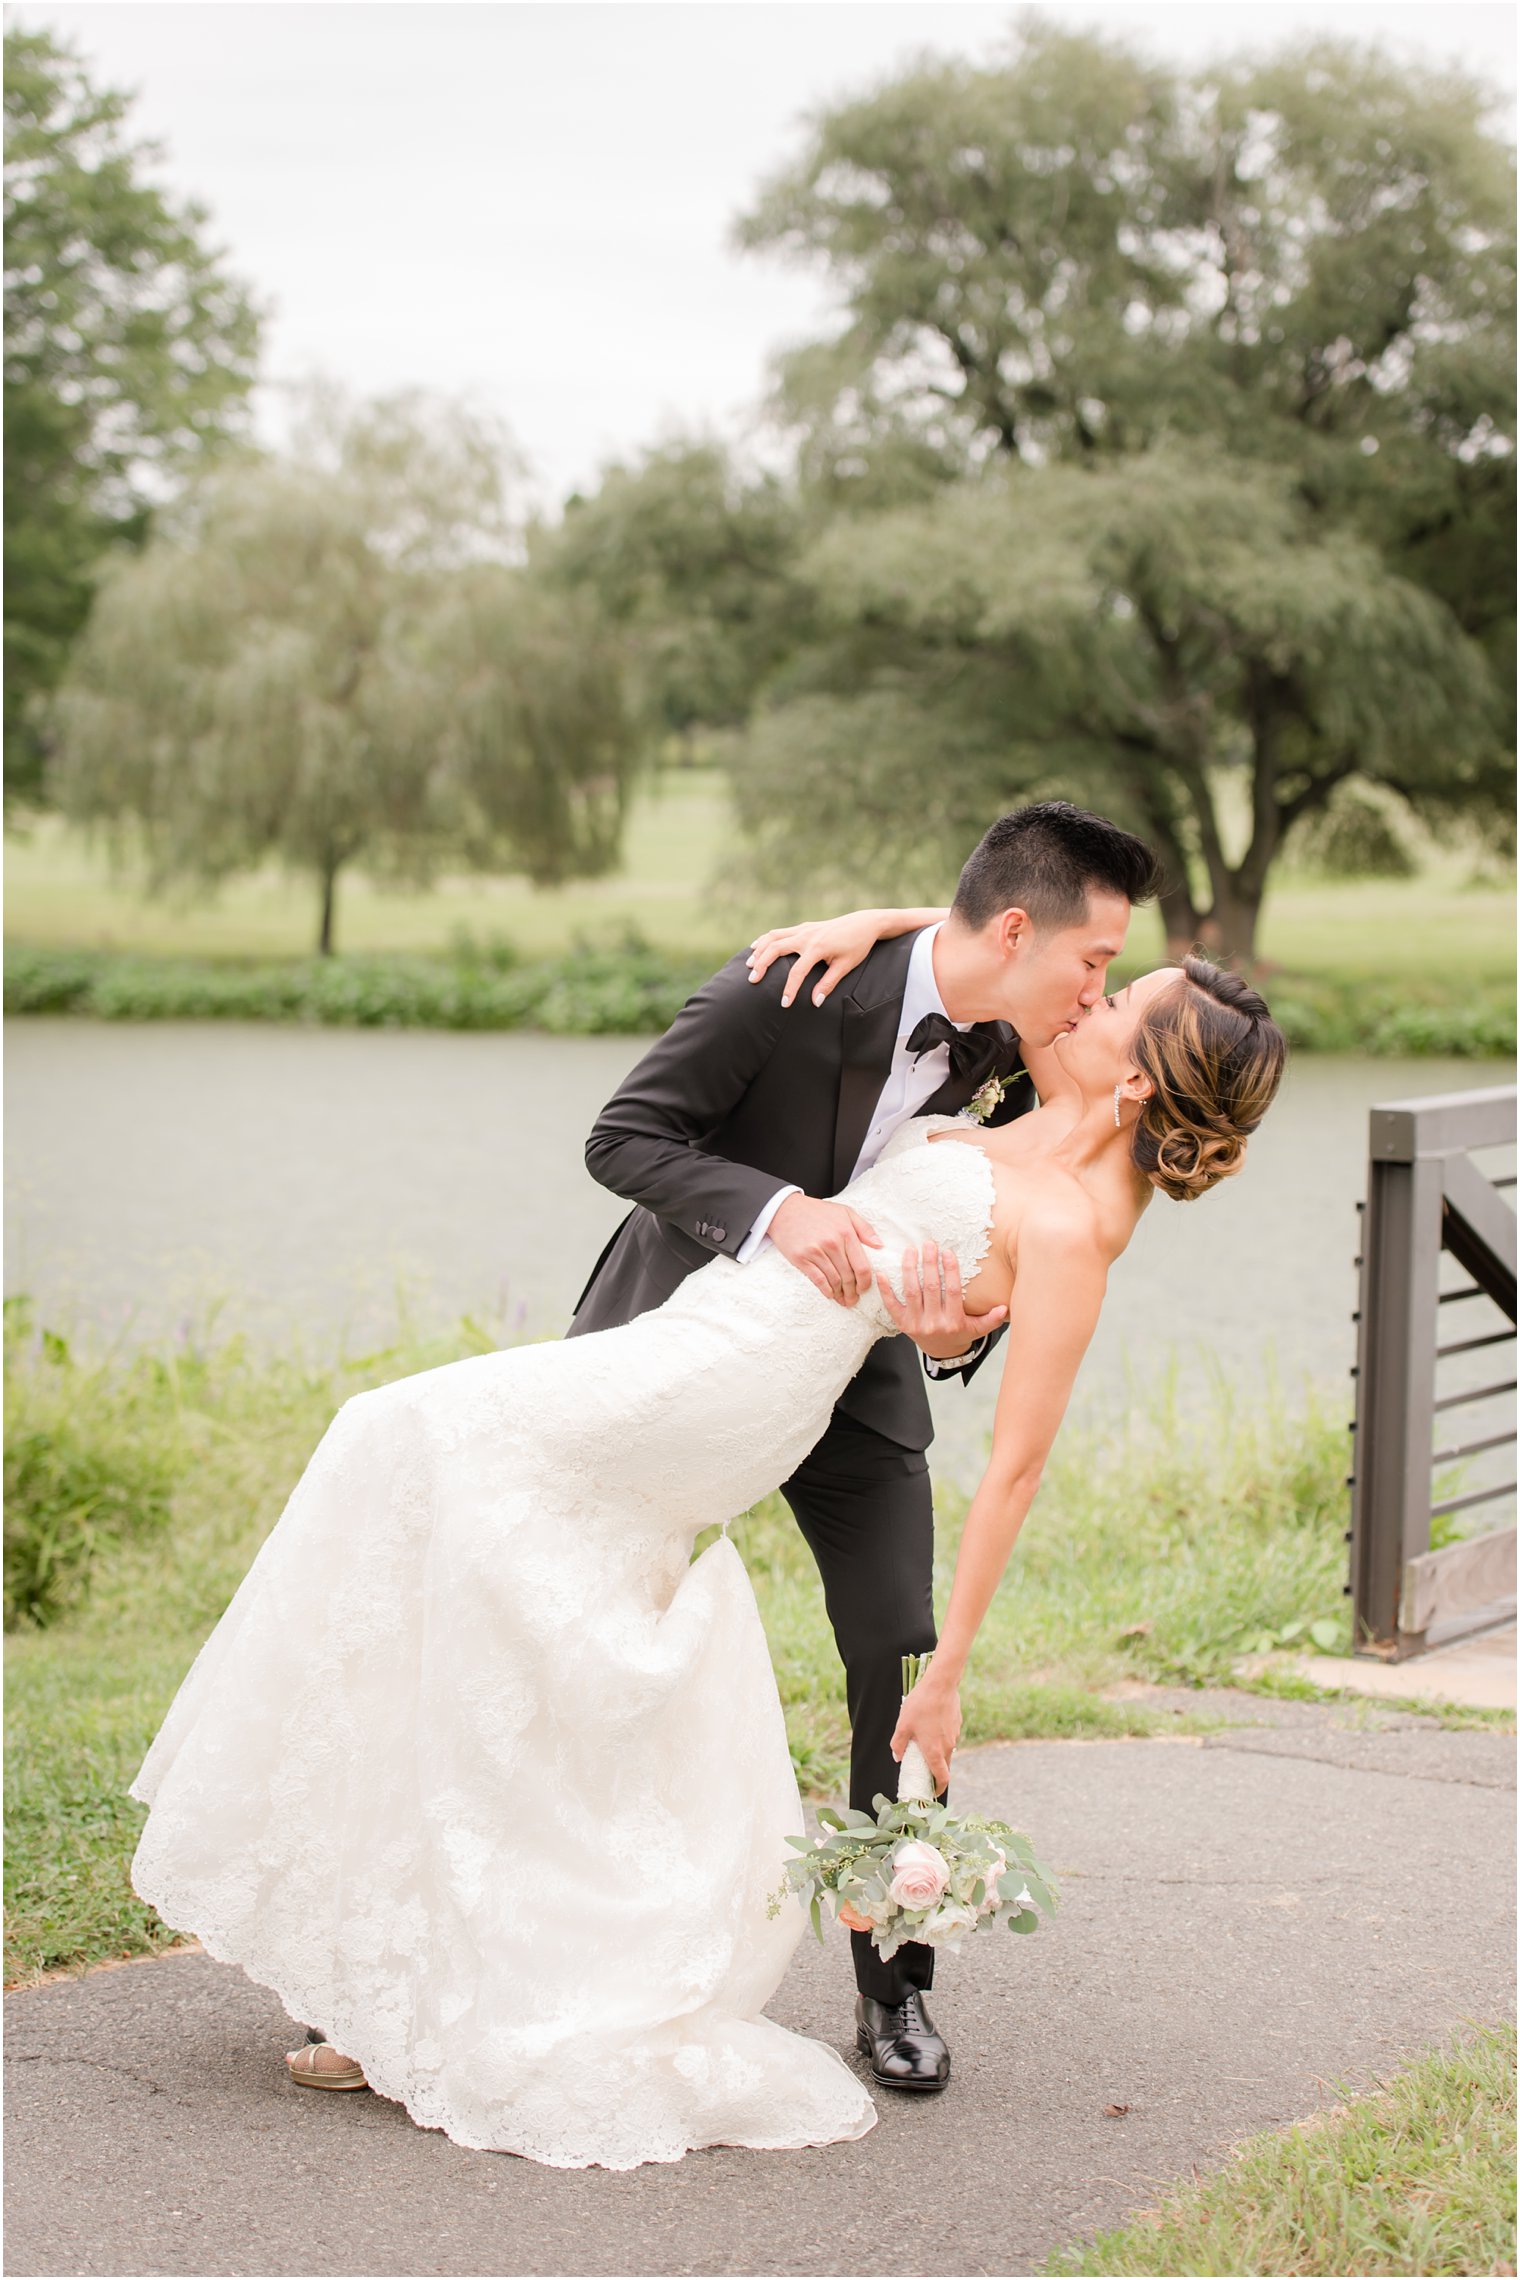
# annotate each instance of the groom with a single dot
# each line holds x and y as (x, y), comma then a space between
(733, 1131)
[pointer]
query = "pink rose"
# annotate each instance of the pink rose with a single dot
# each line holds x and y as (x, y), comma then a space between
(920, 1874)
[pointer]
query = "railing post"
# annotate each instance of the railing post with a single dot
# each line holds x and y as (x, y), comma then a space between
(1425, 1194)
(1396, 1363)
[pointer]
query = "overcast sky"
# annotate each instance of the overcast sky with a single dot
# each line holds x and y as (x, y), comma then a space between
(529, 203)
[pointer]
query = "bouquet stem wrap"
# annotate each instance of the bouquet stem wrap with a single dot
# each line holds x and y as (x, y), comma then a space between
(915, 1783)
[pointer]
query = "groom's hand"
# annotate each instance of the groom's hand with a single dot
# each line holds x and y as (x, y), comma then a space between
(827, 1241)
(932, 1309)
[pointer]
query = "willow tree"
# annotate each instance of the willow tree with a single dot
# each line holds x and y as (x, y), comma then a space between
(327, 659)
(526, 691)
(1153, 631)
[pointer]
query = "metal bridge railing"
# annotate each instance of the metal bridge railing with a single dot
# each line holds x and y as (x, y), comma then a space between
(1425, 1198)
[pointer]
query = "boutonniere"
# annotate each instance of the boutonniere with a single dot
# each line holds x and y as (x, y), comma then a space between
(990, 1096)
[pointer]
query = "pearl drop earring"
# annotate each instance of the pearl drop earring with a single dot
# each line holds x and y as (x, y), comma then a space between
(1117, 1118)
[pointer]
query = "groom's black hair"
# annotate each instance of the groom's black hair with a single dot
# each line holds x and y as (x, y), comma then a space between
(1047, 859)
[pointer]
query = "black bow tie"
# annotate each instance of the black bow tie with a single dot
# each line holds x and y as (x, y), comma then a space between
(973, 1052)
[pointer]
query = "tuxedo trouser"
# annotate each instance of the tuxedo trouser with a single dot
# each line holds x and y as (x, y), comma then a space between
(866, 1508)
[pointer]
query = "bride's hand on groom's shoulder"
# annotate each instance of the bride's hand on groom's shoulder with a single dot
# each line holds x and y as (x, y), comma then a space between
(930, 1716)
(836, 944)
(932, 1309)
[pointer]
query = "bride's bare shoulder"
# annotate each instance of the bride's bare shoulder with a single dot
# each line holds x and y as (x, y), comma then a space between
(1057, 1202)
(1034, 1192)
(1034, 1196)
(1046, 1211)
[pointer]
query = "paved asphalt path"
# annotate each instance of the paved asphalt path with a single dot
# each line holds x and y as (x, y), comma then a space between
(1305, 1896)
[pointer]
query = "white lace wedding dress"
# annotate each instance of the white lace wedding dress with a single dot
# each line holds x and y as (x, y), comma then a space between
(485, 1776)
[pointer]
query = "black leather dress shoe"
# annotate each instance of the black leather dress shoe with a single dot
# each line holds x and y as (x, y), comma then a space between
(901, 2042)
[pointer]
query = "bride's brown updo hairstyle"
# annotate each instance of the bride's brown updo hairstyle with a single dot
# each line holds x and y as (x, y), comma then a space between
(1214, 1056)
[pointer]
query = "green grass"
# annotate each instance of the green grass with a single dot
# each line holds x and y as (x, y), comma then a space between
(1440, 931)
(60, 893)
(1158, 1553)
(1440, 928)
(1455, 1717)
(1417, 2175)
(79, 1714)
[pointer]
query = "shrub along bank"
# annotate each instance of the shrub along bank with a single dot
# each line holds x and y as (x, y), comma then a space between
(635, 989)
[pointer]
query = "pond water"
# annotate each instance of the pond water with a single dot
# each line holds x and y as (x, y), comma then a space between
(305, 1180)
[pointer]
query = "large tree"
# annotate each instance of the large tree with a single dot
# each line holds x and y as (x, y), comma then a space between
(129, 354)
(1063, 261)
(1073, 251)
(692, 556)
(998, 239)
(331, 658)
(1159, 631)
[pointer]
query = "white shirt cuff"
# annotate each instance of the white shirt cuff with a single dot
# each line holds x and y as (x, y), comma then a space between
(758, 1232)
(953, 1368)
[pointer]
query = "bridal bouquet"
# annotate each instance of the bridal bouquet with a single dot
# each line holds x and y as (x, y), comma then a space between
(914, 1870)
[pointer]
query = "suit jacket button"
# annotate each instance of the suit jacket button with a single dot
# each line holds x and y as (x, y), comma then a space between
(718, 1234)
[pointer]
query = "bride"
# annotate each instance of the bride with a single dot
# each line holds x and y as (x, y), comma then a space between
(508, 1838)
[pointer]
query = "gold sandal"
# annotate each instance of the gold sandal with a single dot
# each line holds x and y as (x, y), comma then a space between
(301, 2065)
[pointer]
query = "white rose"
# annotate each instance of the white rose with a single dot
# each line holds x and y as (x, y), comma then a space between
(948, 1925)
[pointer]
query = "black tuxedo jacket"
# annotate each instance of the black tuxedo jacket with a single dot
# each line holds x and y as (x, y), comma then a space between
(738, 1097)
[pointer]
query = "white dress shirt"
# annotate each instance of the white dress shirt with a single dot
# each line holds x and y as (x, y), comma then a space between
(909, 1083)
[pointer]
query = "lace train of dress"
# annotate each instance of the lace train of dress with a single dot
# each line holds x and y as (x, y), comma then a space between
(485, 1776)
